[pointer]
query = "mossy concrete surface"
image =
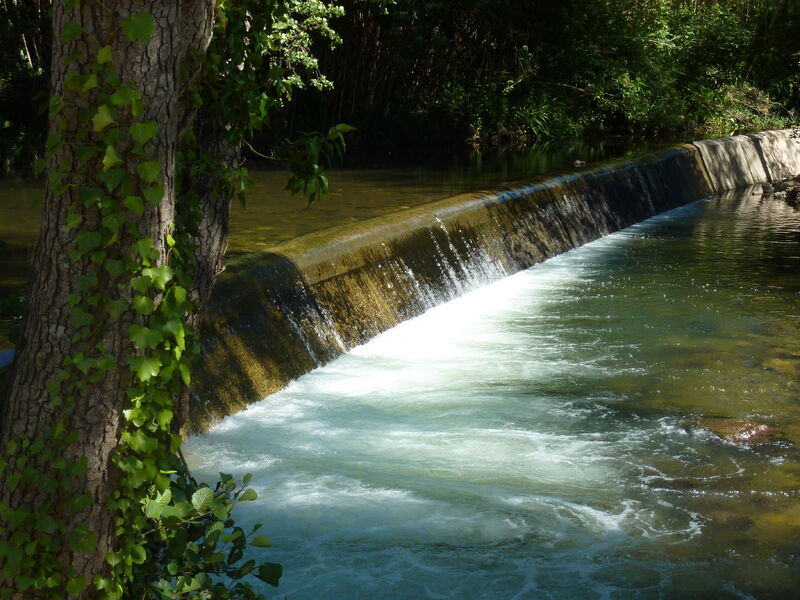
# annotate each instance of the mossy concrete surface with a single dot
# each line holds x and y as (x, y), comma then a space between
(277, 314)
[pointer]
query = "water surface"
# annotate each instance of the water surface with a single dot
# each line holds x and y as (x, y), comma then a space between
(533, 438)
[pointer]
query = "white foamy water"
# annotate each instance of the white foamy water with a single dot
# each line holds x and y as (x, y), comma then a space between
(522, 441)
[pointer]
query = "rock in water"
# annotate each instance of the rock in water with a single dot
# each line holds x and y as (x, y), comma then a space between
(749, 433)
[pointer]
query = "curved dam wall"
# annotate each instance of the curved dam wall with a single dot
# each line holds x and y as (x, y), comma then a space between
(277, 314)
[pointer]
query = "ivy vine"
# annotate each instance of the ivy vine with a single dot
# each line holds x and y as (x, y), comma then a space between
(175, 536)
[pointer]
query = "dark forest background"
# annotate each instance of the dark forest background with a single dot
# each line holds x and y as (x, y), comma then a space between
(414, 74)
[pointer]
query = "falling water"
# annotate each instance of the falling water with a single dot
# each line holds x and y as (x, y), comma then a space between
(534, 438)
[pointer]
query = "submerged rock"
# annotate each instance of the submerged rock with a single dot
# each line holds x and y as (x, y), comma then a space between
(749, 433)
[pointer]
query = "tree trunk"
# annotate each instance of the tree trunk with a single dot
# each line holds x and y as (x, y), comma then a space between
(47, 336)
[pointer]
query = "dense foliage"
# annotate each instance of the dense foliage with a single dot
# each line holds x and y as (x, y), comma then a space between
(411, 71)
(414, 71)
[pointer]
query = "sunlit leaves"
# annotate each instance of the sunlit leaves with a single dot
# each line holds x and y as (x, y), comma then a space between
(145, 367)
(111, 158)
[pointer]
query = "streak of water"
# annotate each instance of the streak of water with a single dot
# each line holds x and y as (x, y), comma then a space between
(529, 439)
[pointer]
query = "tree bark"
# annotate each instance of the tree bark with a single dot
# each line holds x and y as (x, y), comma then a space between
(47, 336)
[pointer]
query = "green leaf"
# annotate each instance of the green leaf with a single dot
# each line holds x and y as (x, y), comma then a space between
(248, 495)
(111, 158)
(151, 509)
(201, 498)
(160, 276)
(143, 132)
(261, 541)
(135, 204)
(124, 96)
(102, 118)
(69, 33)
(144, 337)
(85, 153)
(138, 555)
(114, 267)
(154, 194)
(139, 27)
(142, 305)
(116, 307)
(145, 367)
(343, 128)
(270, 573)
(75, 586)
(141, 284)
(73, 220)
(185, 375)
(145, 248)
(164, 418)
(104, 55)
(90, 83)
(148, 171)
(164, 498)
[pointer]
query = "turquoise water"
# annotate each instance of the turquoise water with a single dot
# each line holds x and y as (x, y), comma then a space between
(534, 438)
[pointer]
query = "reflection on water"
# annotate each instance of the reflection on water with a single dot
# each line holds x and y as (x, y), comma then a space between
(273, 216)
(529, 440)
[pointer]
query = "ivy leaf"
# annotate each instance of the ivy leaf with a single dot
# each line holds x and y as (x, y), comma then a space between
(148, 171)
(185, 375)
(90, 83)
(160, 276)
(135, 205)
(145, 367)
(69, 33)
(111, 158)
(261, 541)
(102, 118)
(114, 267)
(75, 586)
(139, 27)
(124, 96)
(179, 293)
(201, 498)
(145, 248)
(144, 337)
(73, 220)
(104, 55)
(154, 194)
(142, 305)
(141, 284)
(85, 153)
(270, 573)
(143, 132)
(116, 307)
(164, 418)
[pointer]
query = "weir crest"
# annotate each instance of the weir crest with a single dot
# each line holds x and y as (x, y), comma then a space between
(277, 314)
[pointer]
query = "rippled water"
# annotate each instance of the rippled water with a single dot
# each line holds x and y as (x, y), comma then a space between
(529, 440)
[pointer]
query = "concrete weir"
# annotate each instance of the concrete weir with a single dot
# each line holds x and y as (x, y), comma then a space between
(277, 314)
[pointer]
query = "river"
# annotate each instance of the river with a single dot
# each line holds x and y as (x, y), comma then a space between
(535, 438)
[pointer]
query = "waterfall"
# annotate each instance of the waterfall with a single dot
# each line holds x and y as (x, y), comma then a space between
(277, 314)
